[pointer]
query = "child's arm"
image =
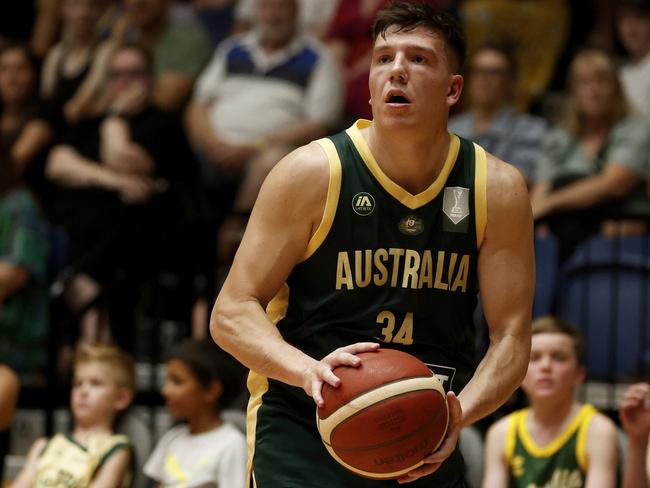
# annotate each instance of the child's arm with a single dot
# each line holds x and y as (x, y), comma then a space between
(27, 475)
(496, 469)
(602, 451)
(113, 471)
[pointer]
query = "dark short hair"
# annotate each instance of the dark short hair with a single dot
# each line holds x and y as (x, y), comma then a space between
(410, 16)
(549, 324)
(208, 362)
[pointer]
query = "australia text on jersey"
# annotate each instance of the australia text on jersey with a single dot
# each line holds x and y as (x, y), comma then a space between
(402, 268)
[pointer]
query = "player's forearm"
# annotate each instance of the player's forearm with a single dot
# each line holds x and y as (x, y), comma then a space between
(244, 330)
(635, 464)
(498, 375)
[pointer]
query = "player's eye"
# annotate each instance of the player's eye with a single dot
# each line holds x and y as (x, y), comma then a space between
(383, 59)
(419, 59)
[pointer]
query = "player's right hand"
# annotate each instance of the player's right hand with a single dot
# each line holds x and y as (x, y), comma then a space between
(634, 412)
(321, 371)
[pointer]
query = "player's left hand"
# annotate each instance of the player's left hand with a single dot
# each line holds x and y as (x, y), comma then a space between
(433, 461)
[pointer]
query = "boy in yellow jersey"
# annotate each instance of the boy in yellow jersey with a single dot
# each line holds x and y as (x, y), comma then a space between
(92, 456)
(556, 442)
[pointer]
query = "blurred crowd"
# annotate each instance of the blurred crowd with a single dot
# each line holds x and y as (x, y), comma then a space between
(135, 135)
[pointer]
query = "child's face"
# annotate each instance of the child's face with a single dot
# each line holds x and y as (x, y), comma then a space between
(184, 395)
(553, 370)
(95, 396)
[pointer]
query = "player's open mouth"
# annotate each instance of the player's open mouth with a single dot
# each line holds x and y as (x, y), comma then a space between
(397, 98)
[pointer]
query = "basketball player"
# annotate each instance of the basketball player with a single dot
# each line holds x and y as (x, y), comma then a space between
(382, 234)
(557, 441)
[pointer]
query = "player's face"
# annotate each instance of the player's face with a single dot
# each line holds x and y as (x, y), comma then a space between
(594, 90)
(95, 395)
(489, 81)
(411, 83)
(183, 392)
(553, 370)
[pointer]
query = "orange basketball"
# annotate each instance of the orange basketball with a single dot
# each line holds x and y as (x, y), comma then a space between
(386, 415)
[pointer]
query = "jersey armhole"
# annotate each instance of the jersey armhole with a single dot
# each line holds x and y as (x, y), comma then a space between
(480, 193)
(581, 441)
(331, 203)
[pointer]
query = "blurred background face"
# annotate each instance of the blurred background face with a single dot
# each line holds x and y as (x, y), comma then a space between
(553, 369)
(182, 390)
(490, 80)
(634, 32)
(128, 70)
(95, 393)
(275, 20)
(594, 89)
(81, 16)
(17, 76)
(146, 12)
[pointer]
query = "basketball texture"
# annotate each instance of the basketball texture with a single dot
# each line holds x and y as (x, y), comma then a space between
(386, 415)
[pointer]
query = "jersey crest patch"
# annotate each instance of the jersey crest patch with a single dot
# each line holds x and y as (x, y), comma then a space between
(455, 203)
(363, 203)
(411, 225)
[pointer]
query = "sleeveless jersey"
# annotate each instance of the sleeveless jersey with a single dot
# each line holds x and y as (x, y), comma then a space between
(384, 265)
(562, 463)
(64, 463)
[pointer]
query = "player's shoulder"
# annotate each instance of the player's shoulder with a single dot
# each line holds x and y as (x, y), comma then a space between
(499, 429)
(505, 183)
(306, 168)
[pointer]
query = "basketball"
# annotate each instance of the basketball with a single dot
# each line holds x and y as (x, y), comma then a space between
(386, 415)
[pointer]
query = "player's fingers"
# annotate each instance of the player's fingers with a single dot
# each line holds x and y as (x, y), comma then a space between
(316, 393)
(329, 377)
(346, 359)
(424, 470)
(360, 347)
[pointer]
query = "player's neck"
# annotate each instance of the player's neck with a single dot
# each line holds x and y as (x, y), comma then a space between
(411, 159)
(204, 421)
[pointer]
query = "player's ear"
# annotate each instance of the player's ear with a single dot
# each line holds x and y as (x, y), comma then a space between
(454, 89)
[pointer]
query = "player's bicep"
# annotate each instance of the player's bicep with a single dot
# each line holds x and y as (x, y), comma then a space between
(506, 264)
(289, 204)
(602, 454)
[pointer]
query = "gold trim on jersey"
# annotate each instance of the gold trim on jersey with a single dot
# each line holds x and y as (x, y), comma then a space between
(581, 443)
(480, 193)
(333, 191)
(257, 384)
(396, 191)
(583, 417)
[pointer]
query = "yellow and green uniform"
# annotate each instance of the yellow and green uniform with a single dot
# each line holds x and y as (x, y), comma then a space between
(384, 265)
(64, 463)
(562, 463)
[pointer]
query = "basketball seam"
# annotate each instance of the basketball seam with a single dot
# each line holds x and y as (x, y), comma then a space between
(382, 385)
(384, 444)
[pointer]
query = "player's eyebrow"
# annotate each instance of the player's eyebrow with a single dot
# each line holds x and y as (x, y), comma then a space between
(408, 47)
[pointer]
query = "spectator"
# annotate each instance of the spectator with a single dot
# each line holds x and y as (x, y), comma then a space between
(556, 441)
(263, 94)
(103, 387)
(592, 166)
(492, 121)
(69, 64)
(204, 451)
(180, 49)
(635, 419)
(23, 287)
(633, 24)
(314, 15)
(23, 136)
(217, 16)
(120, 180)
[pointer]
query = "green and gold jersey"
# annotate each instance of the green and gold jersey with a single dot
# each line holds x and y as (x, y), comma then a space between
(561, 464)
(64, 463)
(384, 265)
(392, 267)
